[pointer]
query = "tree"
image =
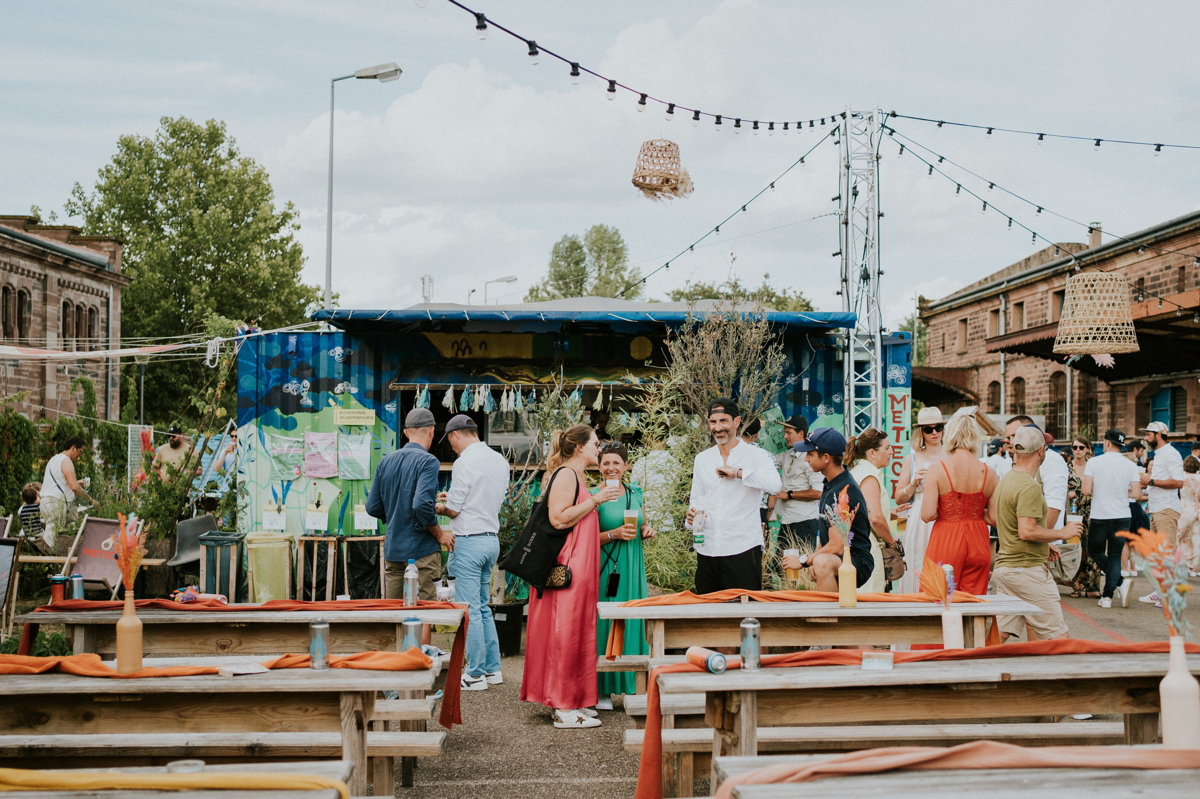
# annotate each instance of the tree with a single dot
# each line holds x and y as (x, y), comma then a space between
(595, 266)
(918, 353)
(202, 235)
(765, 295)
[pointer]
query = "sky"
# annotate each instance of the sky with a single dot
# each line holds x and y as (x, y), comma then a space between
(475, 162)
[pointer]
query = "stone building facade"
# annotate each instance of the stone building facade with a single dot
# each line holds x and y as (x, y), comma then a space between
(991, 343)
(59, 290)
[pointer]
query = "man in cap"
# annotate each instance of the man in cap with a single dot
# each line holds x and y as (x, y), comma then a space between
(1111, 480)
(478, 485)
(1053, 473)
(1163, 482)
(728, 481)
(403, 494)
(1019, 507)
(797, 505)
(170, 456)
(824, 450)
(997, 457)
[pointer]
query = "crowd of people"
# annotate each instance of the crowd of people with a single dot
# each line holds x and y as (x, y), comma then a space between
(997, 521)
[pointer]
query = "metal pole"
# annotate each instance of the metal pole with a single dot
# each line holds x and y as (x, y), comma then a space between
(142, 393)
(329, 210)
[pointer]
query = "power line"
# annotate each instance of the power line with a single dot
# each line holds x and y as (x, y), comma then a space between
(1096, 140)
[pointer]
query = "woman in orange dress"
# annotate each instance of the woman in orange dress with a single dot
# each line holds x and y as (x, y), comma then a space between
(957, 504)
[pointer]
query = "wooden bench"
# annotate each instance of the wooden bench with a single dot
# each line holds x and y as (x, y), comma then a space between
(46, 751)
(412, 714)
(635, 663)
(694, 745)
(686, 710)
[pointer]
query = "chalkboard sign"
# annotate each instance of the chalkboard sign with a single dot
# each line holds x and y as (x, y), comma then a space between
(96, 554)
(8, 569)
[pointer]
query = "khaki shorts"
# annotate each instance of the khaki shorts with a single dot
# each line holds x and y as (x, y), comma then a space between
(1167, 523)
(429, 571)
(1035, 585)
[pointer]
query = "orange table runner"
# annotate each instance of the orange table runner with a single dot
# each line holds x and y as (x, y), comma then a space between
(15, 779)
(649, 785)
(451, 712)
(90, 665)
(616, 630)
(972, 755)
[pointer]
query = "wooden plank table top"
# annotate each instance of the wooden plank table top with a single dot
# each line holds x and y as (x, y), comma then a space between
(715, 624)
(332, 769)
(1064, 783)
(242, 632)
(283, 700)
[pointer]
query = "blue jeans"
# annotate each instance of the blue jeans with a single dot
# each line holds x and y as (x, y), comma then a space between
(470, 564)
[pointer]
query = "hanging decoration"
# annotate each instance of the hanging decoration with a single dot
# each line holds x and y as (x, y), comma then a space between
(1041, 137)
(423, 397)
(489, 402)
(599, 403)
(448, 399)
(518, 401)
(467, 395)
(658, 173)
(1096, 317)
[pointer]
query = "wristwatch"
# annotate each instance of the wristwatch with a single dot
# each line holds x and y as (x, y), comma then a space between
(789, 494)
(1151, 482)
(803, 561)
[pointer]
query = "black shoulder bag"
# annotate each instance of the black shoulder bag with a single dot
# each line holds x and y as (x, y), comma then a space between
(535, 552)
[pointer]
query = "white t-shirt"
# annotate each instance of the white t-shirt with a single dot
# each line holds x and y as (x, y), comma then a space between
(1167, 465)
(478, 485)
(733, 525)
(1055, 474)
(1111, 475)
(999, 464)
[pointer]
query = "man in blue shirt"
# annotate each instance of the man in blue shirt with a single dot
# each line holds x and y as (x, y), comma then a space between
(403, 494)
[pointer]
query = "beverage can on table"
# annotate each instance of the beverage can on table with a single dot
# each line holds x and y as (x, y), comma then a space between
(412, 634)
(713, 662)
(750, 649)
(58, 588)
(318, 644)
(77, 586)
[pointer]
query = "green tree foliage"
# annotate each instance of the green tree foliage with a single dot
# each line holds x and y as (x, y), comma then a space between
(596, 265)
(765, 295)
(202, 235)
(17, 436)
(919, 351)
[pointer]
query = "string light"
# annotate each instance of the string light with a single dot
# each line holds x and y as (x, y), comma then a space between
(1041, 137)
(717, 123)
(737, 125)
(1097, 144)
(770, 128)
(755, 129)
(481, 28)
(1158, 149)
(695, 119)
(784, 130)
(574, 73)
(612, 90)
(534, 54)
(641, 103)
(670, 112)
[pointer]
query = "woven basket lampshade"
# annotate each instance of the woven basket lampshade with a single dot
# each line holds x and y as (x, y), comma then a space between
(658, 173)
(1096, 317)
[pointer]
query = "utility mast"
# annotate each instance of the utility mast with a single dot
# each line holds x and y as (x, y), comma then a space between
(859, 202)
(426, 289)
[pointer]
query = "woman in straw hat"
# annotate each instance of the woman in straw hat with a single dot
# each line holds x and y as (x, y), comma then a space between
(926, 451)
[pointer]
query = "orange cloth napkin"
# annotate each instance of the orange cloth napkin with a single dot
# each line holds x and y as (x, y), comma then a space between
(972, 755)
(451, 712)
(15, 779)
(649, 785)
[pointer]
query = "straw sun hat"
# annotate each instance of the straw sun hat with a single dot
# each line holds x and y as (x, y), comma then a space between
(930, 415)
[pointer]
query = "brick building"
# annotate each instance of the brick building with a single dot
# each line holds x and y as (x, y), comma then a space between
(59, 290)
(991, 343)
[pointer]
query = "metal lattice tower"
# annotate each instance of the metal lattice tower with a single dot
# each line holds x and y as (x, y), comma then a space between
(859, 192)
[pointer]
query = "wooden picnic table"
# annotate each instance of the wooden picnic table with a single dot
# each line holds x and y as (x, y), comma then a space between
(280, 700)
(248, 632)
(1065, 783)
(714, 624)
(738, 702)
(333, 769)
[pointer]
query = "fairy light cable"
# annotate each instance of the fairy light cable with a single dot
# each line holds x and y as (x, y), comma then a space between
(741, 208)
(1096, 140)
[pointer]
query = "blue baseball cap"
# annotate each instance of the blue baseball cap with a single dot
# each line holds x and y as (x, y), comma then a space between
(826, 440)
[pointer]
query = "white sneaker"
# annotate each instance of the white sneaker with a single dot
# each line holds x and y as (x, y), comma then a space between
(1081, 716)
(1123, 591)
(494, 677)
(1105, 602)
(470, 683)
(573, 719)
(1128, 573)
(1150, 598)
(587, 711)
(604, 704)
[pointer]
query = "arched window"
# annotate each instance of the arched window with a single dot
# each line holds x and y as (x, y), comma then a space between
(1056, 409)
(80, 323)
(24, 314)
(8, 311)
(1016, 399)
(993, 397)
(93, 326)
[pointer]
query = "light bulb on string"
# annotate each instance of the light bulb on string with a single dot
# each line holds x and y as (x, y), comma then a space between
(958, 188)
(802, 162)
(755, 129)
(1041, 139)
(901, 153)
(1141, 249)
(985, 206)
(717, 124)
(989, 131)
(695, 118)
(822, 121)
(991, 186)
(772, 187)
(1010, 223)
(1039, 209)
(670, 113)
(784, 131)
(641, 103)
(770, 128)
(612, 90)
(481, 26)
(1196, 318)
(1033, 238)
(574, 74)
(1158, 149)
(717, 231)
(1097, 147)
(1179, 311)
(929, 174)
(737, 125)
(534, 55)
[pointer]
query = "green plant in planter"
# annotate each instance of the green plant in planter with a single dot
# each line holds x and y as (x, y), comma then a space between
(518, 504)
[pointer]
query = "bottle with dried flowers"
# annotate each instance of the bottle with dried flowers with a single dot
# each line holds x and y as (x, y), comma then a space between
(129, 546)
(840, 516)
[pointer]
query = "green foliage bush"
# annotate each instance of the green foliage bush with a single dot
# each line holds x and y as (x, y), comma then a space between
(46, 645)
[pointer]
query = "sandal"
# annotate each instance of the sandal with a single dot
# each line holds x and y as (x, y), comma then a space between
(1076, 594)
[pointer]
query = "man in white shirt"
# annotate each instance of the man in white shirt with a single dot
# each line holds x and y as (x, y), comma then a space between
(728, 481)
(1053, 474)
(1163, 482)
(797, 505)
(478, 485)
(1111, 480)
(997, 459)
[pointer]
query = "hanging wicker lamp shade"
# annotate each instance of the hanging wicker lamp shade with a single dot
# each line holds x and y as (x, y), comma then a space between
(658, 173)
(1096, 317)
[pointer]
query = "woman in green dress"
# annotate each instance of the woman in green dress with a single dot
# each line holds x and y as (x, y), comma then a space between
(622, 569)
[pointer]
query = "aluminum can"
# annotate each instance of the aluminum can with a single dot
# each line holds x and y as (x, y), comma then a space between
(77, 586)
(318, 644)
(412, 634)
(58, 588)
(750, 650)
(713, 662)
(949, 570)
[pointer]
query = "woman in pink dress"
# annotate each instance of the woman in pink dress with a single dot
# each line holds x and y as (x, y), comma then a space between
(560, 641)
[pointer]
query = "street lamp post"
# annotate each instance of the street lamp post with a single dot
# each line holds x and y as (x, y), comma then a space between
(507, 279)
(382, 73)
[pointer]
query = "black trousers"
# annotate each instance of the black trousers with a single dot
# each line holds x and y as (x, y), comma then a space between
(743, 570)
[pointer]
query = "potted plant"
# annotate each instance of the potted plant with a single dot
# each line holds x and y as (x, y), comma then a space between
(509, 594)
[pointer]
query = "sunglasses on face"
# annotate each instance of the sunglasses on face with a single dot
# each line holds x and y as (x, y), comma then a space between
(930, 429)
(1078, 447)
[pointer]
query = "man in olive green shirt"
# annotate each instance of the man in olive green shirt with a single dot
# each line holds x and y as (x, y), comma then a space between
(1019, 507)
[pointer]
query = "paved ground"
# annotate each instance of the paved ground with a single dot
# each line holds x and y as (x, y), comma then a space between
(508, 749)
